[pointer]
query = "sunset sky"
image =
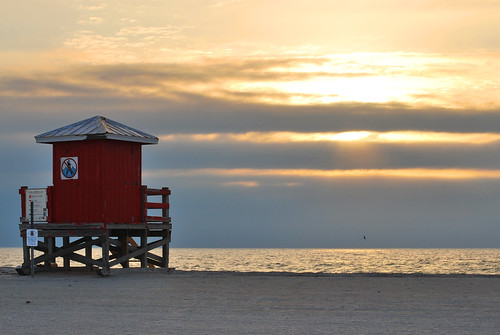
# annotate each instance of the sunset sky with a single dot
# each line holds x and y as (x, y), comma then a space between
(281, 123)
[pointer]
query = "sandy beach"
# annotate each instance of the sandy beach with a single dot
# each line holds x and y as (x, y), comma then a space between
(155, 302)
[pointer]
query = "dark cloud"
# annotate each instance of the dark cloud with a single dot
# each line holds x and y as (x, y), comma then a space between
(46, 86)
(322, 155)
(211, 70)
(110, 79)
(197, 114)
(219, 116)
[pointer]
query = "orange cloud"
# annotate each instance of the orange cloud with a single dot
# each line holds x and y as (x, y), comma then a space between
(417, 173)
(364, 136)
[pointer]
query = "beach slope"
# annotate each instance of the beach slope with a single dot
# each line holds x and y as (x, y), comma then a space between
(135, 302)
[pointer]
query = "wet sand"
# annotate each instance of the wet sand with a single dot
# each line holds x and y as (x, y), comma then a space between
(155, 302)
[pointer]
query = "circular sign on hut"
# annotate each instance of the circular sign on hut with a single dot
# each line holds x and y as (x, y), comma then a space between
(69, 167)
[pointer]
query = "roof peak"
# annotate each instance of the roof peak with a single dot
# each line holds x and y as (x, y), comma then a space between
(96, 127)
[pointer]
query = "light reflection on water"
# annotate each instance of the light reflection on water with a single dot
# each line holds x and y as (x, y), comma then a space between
(426, 261)
(404, 261)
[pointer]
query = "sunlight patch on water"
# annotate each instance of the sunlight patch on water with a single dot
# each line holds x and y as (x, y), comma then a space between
(387, 261)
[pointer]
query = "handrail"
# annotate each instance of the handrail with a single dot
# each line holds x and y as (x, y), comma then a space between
(164, 205)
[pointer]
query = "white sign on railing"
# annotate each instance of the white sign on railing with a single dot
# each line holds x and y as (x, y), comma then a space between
(37, 196)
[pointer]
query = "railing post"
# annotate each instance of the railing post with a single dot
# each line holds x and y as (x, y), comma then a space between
(22, 192)
(144, 198)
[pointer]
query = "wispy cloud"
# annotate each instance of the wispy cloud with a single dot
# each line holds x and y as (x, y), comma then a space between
(241, 183)
(92, 20)
(92, 7)
(127, 45)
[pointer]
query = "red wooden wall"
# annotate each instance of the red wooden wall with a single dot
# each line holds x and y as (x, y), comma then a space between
(108, 188)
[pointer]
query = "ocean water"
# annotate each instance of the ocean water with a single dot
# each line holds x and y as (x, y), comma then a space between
(386, 261)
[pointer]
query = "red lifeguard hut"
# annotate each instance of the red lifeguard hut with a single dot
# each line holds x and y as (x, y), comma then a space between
(97, 199)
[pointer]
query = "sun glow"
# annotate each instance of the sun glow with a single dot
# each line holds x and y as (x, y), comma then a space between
(360, 89)
(344, 136)
(361, 77)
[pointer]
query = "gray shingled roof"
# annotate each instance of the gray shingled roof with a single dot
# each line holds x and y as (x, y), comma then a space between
(97, 127)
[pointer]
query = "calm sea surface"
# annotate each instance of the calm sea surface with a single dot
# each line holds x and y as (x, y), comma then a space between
(397, 261)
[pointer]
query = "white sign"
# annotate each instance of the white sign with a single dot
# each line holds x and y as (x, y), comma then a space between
(31, 237)
(37, 196)
(69, 168)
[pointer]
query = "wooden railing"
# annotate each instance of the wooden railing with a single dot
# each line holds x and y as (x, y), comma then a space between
(164, 205)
